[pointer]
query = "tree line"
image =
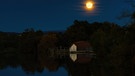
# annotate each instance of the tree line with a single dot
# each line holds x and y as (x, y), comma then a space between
(113, 44)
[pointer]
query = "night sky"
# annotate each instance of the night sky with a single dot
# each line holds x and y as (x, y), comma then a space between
(49, 15)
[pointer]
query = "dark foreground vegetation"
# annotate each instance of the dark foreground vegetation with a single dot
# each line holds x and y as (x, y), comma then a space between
(114, 46)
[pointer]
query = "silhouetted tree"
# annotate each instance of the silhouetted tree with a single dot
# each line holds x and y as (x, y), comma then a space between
(76, 32)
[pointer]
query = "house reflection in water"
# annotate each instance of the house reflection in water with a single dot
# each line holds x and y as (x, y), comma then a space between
(81, 52)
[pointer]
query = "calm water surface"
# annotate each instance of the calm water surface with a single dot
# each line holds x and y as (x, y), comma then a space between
(9, 71)
(33, 64)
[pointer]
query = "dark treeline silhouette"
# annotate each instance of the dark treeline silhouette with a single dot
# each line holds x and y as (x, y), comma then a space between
(114, 46)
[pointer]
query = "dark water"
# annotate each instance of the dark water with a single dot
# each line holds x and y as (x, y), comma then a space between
(9, 71)
(33, 64)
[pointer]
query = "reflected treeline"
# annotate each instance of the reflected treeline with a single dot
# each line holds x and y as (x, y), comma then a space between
(31, 64)
(114, 46)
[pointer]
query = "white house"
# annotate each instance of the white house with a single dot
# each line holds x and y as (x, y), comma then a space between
(80, 46)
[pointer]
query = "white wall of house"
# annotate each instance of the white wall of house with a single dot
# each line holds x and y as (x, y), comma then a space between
(73, 48)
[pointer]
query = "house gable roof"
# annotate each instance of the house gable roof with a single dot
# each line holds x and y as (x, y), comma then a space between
(82, 44)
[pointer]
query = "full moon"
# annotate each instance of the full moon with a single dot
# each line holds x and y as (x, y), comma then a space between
(89, 5)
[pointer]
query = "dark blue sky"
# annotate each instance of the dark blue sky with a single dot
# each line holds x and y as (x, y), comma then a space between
(17, 15)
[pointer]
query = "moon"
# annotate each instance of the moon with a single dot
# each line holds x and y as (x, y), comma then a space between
(89, 5)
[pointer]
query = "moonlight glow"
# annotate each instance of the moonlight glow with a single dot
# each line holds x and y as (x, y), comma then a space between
(89, 5)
